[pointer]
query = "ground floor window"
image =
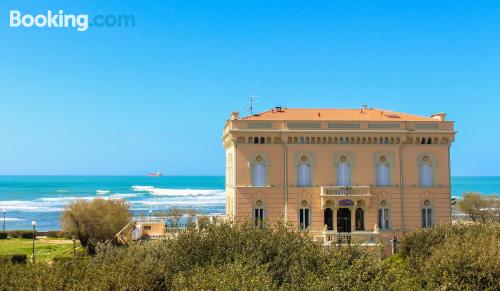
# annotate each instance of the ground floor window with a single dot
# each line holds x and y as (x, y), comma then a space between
(304, 218)
(328, 218)
(258, 216)
(427, 214)
(384, 220)
(360, 219)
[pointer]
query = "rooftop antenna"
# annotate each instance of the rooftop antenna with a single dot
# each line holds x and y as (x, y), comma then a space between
(252, 98)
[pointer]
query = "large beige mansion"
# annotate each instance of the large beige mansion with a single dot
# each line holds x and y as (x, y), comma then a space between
(334, 171)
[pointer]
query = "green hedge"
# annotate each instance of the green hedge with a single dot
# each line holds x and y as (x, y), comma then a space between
(21, 234)
(14, 259)
(244, 257)
(3, 235)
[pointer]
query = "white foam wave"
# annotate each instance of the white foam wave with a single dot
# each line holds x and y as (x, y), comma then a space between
(102, 192)
(179, 192)
(123, 195)
(11, 219)
(142, 188)
(31, 206)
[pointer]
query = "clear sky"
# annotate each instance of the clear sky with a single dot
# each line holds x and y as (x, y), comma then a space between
(155, 97)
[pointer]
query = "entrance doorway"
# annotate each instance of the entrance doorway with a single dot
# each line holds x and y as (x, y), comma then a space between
(344, 220)
(329, 219)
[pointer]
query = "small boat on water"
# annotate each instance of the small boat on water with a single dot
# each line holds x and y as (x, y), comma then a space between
(155, 174)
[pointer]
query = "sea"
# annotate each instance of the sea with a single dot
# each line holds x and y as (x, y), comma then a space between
(43, 198)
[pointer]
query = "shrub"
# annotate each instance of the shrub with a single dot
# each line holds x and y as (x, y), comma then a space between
(27, 235)
(14, 259)
(94, 221)
(57, 234)
(458, 256)
(21, 234)
(3, 235)
(247, 257)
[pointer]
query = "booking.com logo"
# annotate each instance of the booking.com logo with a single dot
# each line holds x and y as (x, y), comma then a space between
(61, 20)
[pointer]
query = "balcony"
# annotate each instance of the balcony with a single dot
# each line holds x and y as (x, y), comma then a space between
(345, 191)
(363, 238)
(344, 196)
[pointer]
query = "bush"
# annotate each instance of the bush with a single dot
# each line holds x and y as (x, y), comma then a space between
(3, 235)
(460, 256)
(94, 221)
(27, 235)
(21, 234)
(14, 259)
(245, 257)
(57, 234)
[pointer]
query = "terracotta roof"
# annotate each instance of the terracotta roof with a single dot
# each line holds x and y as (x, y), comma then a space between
(335, 114)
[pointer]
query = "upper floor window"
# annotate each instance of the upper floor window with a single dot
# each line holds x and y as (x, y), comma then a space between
(383, 172)
(343, 172)
(304, 216)
(259, 171)
(384, 220)
(427, 219)
(304, 171)
(426, 172)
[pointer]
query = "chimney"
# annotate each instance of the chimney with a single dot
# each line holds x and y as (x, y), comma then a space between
(439, 116)
(234, 115)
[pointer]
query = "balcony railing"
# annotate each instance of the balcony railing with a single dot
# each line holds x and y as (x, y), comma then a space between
(366, 238)
(345, 191)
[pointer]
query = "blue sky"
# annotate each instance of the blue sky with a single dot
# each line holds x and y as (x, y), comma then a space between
(156, 96)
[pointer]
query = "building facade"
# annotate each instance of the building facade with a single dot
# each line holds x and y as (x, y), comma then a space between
(330, 171)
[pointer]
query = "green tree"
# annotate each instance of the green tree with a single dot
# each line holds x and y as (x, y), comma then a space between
(94, 221)
(479, 207)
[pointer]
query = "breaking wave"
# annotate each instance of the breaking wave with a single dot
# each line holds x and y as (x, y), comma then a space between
(178, 192)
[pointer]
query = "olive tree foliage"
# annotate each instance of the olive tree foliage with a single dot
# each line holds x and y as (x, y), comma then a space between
(479, 207)
(224, 256)
(461, 256)
(217, 257)
(95, 221)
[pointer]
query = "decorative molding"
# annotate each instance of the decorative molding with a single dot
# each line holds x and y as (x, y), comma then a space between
(343, 125)
(259, 125)
(384, 125)
(302, 125)
(426, 126)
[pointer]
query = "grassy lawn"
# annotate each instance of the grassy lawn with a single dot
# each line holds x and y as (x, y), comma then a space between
(45, 249)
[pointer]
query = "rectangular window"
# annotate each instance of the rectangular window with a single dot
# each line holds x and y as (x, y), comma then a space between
(343, 175)
(304, 218)
(259, 175)
(383, 175)
(425, 175)
(427, 217)
(304, 175)
(383, 218)
(147, 227)
(258, 216)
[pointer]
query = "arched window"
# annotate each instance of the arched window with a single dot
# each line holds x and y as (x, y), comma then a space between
(258, 213)
(304, 215)
(304, 171)
(384, 219)
(426, 172)
(383, 172)
(343, 172)
(360, 219)
(427, 219)
(259, 172)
